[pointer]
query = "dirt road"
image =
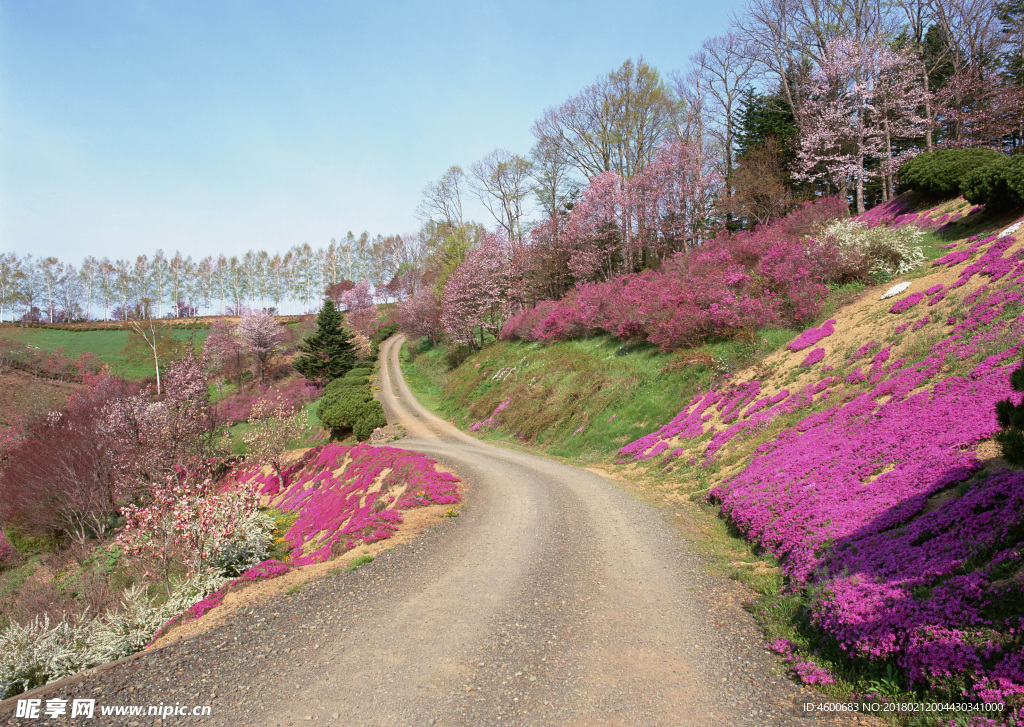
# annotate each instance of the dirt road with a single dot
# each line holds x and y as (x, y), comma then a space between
(555, 599)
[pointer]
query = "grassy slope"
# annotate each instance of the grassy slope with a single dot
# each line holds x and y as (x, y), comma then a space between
(107, 344)
(552, 390)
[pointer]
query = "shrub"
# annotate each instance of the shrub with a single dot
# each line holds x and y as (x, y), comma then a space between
(997, 185)
(383, 333)
(771, 276)
(358, 371)
(341, 412)
(1011, 420)
(38, 652)
(456, 355)
(248, 546)
(371, 417)
(940, 173)
(858, 252)
(345, 383)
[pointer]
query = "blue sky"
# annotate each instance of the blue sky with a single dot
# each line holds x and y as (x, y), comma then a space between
(221, 126)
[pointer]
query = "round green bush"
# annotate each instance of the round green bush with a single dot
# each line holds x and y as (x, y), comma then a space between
(373, 412)
(940, 173)
(998, 185)
(371, 417)
(343, 384)
(341, 411)
(358, 371)
(362, 430)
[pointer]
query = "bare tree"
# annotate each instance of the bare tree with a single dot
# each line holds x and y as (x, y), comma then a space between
(501, 182)
(443, 198)
(726, 66)
(614, 124)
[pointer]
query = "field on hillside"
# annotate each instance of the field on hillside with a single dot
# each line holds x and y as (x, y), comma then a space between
(108, 344)
(583, 398)
(856, 457)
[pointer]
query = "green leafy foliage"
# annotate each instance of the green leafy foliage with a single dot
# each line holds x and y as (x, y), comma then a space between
(940, 173)
(358, 371)
(997, 185)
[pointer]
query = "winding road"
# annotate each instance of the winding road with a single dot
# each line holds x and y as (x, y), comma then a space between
(557, 598)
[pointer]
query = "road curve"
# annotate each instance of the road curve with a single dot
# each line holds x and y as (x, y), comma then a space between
(555, 599)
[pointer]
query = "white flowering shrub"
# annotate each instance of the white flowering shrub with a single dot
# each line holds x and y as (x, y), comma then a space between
(41, 651)
(248, 545)
(856, 251)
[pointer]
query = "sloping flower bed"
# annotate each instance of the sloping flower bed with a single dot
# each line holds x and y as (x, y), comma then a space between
(345, 495)
(874, 501)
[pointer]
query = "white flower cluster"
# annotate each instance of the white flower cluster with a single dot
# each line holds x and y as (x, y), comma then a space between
(895, 290)
(887, 250)
(41, 651)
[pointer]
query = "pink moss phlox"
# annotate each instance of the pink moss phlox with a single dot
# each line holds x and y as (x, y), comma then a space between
(811, 336)
(905, 304)
(813, 357)
(340, 495)
(811, 673)
(492, 420)
(921, 323)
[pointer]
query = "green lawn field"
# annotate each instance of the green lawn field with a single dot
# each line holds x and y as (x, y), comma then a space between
(108, 344)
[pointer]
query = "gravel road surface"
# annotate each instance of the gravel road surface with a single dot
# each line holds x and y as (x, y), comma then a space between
(556, 598)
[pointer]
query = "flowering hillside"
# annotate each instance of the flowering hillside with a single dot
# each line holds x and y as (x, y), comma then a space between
(344, 495)
(860, 459)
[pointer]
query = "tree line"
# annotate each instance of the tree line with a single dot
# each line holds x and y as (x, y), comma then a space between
(796, 100)
(46, 289)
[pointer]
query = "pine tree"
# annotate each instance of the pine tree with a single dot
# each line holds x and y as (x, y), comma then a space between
(327, 353)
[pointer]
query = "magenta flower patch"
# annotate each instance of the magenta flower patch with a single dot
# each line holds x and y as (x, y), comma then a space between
(346, 495)
(811, 336)
(813, 357)
(905, 304)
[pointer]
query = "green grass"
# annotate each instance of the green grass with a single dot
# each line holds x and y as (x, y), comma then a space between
(583, 399)
(108, 344)
(356, 562)
(236, 432)
(292, 590)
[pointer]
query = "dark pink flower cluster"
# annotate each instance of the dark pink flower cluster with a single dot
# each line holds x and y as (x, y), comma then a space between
(811, 336)
(813, 357)
(294, 394)
(8, 554)
(769, 276)
(905, 304)
(352, 494)
(898, 212)
(871, 502)
(492, 420)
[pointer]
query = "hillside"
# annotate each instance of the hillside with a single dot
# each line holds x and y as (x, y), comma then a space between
(856, 459)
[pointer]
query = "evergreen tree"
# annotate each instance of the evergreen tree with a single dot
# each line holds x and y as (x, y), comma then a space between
(327, 353)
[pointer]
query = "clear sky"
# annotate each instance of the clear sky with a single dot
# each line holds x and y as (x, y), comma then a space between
(225, 125)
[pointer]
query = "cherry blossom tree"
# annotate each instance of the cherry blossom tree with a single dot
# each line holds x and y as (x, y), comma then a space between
(185, 521)
(979, 109)
(360, 310)
(225, 351)
(420, 315)
(595, 229)
(159, 437)
(672, 202)
(261, 335)
(276, 426)
(862, 98)
(476, 296)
